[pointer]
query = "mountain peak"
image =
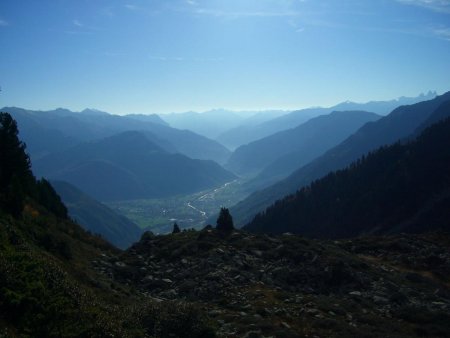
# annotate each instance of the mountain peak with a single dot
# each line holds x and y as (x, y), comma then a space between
(92, 111)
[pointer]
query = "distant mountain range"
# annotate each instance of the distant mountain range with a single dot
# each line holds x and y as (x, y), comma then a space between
(296, 146)
(241, 135)
(399, 188)
(51, 131)
(129, 166)
(97, 217)
(154, 118)
(402, 122)
(215, 122)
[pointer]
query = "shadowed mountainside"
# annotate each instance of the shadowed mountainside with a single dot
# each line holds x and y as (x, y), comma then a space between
(97, 217)
(302, 143)
(398, 188)
(130, 166)
(57, 130)
(399, 124)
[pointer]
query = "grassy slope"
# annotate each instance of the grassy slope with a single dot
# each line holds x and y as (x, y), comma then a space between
(48, 288)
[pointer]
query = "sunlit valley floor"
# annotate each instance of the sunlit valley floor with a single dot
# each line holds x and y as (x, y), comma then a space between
(192, 211)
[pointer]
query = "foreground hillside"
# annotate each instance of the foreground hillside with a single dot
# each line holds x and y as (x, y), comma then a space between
(48, 287)
(288, 286)
(193, 284)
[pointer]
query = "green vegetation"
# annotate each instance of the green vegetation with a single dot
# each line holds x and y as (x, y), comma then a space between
(38, 297)
(43, 293)
(191, 211)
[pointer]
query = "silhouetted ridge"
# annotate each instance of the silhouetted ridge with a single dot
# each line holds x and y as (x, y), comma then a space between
(402, 187)
(401, 123)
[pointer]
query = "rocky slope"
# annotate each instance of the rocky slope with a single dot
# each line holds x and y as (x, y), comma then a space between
(288, 286)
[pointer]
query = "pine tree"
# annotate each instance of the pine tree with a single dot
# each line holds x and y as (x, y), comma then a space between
(16, 178)
(13, 159)
(225, 221)
(176, 228)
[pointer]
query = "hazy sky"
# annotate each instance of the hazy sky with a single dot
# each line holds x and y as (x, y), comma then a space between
(136, 56)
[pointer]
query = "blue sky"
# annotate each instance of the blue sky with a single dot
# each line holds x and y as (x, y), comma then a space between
(136, 56)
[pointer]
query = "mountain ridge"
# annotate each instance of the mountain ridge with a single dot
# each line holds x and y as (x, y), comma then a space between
(397, 188)
(129, 166)
(80, 127)
(399, 124)
(307, 141)
(240, 136)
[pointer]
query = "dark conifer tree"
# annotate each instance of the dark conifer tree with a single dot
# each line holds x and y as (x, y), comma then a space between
(176, 228)
(13, 159)
(225, 221)
(16, 178)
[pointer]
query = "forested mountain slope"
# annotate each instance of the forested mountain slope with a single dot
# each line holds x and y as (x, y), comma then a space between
(398, 188)
(400, 123)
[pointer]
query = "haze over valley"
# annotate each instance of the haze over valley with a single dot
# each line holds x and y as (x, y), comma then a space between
(155, 174)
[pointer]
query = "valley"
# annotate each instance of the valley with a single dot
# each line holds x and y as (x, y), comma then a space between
(188, 211)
